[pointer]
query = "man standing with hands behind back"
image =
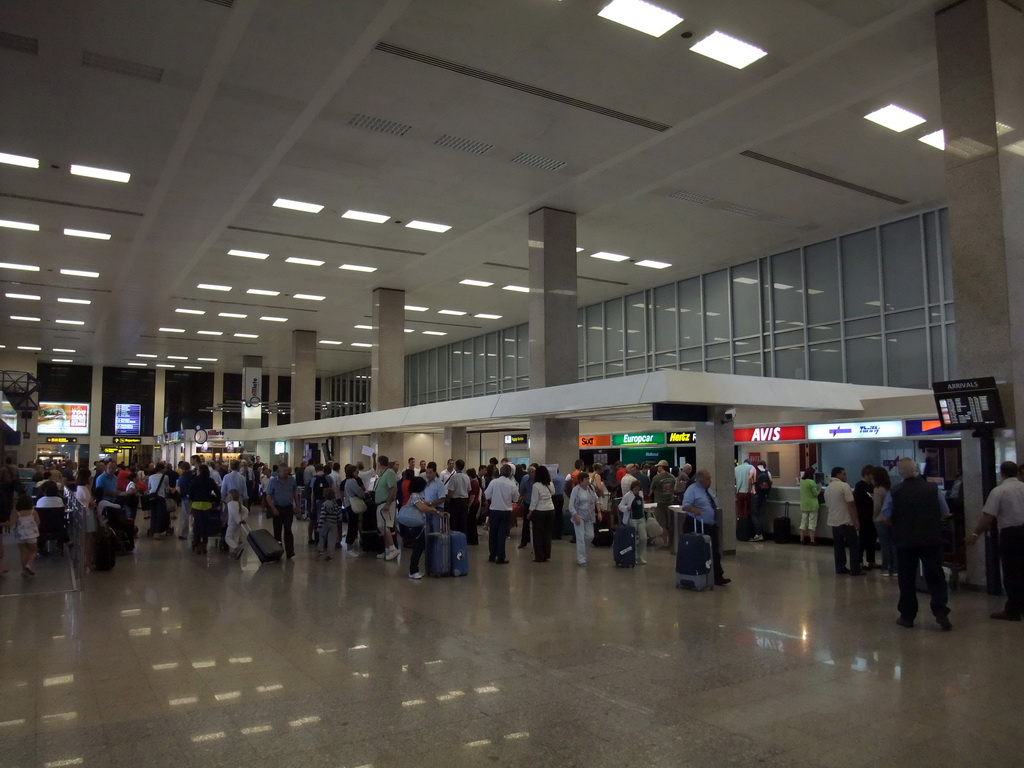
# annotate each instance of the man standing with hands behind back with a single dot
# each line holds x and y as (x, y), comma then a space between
(283, 498)
(842, 516)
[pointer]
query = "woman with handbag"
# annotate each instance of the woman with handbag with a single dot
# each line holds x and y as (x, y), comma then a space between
(542, 513)
(355, 493)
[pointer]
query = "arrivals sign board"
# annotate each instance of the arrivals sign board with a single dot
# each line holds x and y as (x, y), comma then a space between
(860, 430)
(969, 404)
(63, 419)
(127, 418)
(638, 439)
(769, 434)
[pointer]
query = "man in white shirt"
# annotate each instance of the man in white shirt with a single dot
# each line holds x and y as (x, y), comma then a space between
(842, 516)
(1005, 506)
(744, 486)
(457, 502)
(501, 494)
(448, 471)
(368, 476)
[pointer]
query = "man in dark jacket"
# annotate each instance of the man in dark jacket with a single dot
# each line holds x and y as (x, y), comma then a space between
(863, 501)
(915, 509)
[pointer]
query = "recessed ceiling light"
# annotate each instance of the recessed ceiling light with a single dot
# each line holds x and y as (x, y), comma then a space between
(62, 360)
(409, 330)
(79, 273)
(428, 226)
(653, 264)
(360, 344)
(192, 367)
(455, 312)
(22, 267)
(139, 365)
(247, 335)
(232, 314)
(357, 268)
(164, 365)
(25, 162)
(296, 205)
(213, 287)
(517, 288)
(100, 173)
(86, 233)
(605, 256)
(936, 139)
(308, 297)
(19, 225)
(640, 16)
(306, 262)
(374, 218)
(728, 50)
(25, 318)
(173, 330)
(434, 333)
(894, 118)
(271, 319)
(414, 308)
(261, 292)
(248, 254)
(478, 283)
(176, 357)
(782, 286)
(745, 280)
(488, 317)
(140, 354)
(331, 341)
(74, 301)
(578, 249)
(364, 327)
(32, 349)
(191, 311)
(69, 351)
(207, 359)
(70, 322)
(28, 296)
(210, 333)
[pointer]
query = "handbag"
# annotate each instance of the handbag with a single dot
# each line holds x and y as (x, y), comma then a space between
(654, 529)
(357, 504)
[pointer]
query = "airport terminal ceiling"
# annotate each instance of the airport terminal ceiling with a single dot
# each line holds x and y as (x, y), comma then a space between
(447, 112)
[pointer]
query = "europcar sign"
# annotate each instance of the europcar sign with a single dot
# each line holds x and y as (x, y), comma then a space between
(639, 439)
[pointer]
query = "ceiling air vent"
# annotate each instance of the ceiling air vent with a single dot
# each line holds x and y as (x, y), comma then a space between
(19, 43)
(122, 66)
(742, 210)
(536, 161)
(380, 125)
(222, 3)
(694, 198)
(464, 145)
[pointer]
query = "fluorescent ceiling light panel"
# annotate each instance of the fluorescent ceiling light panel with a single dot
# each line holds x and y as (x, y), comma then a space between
(140, 354)
(63, 300)
(296, 205)
(728, 50)
(248, 254)
(210, 333)
(192, 367)
(19, 225)
(31, 349)
(894, 118)
(172, 330)
(86, 233)
(62, 360)
(516, 288)
(455, 312)
(22, 267)
(100, 173)
(139, 365)
(69, 351)
(213, 287)
(25, 318)
(207, 359)
(357, 268)
(232, 314)
(605, 256)
(652, 264)
(190, 311)
(176, 357)
(261, 292)
(272, 319)
(164, 365)
(28, 296)
(306, 262)
(70, 322)
(434, 333)
(409, 330)
(936, 139)
(79, 273)
(414, 308)
(360, 344)
(24, 162)
(427, 226)
(331, 341)
(308, 297)
(745, 280)
(478, 283)
(364, 327)
(373, 218)
(488, 317)
(247, 335)
(640, 16)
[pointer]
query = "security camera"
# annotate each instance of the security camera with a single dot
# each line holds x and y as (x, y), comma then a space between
(729, 415)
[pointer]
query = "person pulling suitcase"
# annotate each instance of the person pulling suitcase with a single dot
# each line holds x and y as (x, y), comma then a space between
(699, 502)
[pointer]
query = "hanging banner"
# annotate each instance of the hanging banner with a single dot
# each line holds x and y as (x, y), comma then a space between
(252, 393)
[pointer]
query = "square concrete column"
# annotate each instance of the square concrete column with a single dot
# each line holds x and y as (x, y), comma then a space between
(555, 441)
(218, 398)
(303, 375)
(553, 338)
(456, 444)
(387, 358)
(715, 454)
(980, 47)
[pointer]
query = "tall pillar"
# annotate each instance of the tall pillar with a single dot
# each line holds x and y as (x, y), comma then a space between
(715, 454)
(553, 337)
(456, 444)
(273, 396)
(95, 418)
(159, 405)
(387, 365)
(555, 441)
(251, 394)
(303, 386)
(981, 88)
(217, 421)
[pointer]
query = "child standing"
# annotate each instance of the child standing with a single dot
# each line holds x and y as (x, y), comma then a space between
(26, 533)
(329, 513)
(237, 514)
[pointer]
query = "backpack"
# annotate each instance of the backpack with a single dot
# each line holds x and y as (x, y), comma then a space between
(317, 486)
(763, 481)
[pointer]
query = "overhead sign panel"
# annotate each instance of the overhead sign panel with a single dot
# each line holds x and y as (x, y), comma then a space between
(861, 430)
(969, 404)
(638, 439)
(769, 434)
(521, 439)
(63, 419)
(127, 418)
(681, 438)
(592, 441)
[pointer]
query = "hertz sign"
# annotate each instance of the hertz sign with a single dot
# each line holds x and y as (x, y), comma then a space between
(681, 438)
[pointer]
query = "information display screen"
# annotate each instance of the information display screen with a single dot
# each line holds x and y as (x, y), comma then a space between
(127, 418)
(969, 404)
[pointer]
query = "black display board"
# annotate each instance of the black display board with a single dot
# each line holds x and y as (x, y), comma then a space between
(969, 404)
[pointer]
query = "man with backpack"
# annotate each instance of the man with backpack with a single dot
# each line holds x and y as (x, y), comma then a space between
(759, 499)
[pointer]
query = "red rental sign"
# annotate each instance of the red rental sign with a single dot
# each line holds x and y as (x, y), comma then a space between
(769, 434)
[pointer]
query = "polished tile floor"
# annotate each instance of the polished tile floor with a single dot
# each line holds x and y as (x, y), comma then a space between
(177, 660)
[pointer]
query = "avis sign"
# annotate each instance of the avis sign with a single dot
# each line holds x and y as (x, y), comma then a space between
(769, 434)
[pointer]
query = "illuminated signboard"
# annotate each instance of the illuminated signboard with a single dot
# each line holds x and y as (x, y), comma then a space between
(862, 430)
(127, 419)
(590, 441)
(969, 404)
(638, 439)
(769, 434)
(62, 440)
(128, 440)
(516, 439)
(681, 438)
(916, 427)
(63, 419)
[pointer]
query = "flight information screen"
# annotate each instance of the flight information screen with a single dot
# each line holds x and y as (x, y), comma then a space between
(969, 404)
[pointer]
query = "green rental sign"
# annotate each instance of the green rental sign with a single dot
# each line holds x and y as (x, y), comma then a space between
(638, 439)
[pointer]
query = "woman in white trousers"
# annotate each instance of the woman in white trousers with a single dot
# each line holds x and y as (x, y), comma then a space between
(583, 511)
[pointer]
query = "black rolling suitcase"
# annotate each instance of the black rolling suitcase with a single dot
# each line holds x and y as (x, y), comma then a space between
(624, 546)
(371, 540)
(744, 529)
(782, 528)
(263, 543)
(694, 568)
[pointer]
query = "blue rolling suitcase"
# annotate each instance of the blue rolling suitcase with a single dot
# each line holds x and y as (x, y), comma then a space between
(624, 546)
(447, 552)
(693, 561)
